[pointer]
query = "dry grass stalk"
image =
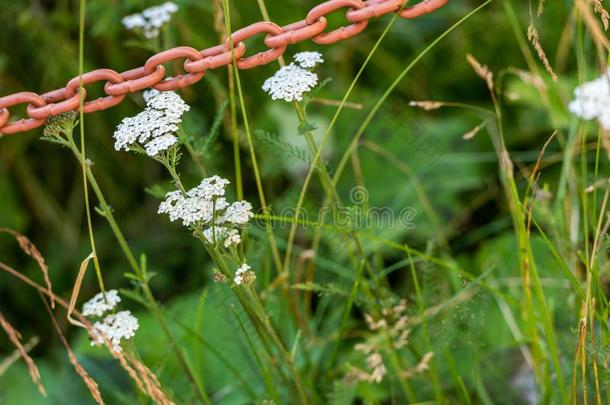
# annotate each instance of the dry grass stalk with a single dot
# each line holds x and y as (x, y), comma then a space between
(506, 163)
(153, 387)
(528, 78)
(482, 71)
(421, 367)
(219, 20)
(534, 38)
(15, 355)
(92, 386)
(540, 8)
(603, 13)
(15, 338)
(605, 138)
(426, 105)
(145, 379)
(336, 103)
(149, 385)
(30, 249)
(76, 289)
(596, 32)
(471, 134)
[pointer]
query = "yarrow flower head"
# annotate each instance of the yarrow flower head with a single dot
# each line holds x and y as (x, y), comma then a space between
(592, 100)
(243, 275)
(150, 20)
(153, 129)
(115, 328)
(308, 59)
(150, 93)
(206, 208)
(290, 83)
(101, 303)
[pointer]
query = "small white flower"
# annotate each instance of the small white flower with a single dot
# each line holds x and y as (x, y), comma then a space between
(190, 209)
(290, 83)
(209, 188)
(154, 127)
(101, 303)
(160, 143)
(232, 238)
(216, 234)
(592, 100)
(134, 21)
(170, 103)
(240, 212)
(375, 362)
(150, 93)
(150, 20)
(243, 268)
(242, 274)
(308, 59)
(206, 207)
(115, 328)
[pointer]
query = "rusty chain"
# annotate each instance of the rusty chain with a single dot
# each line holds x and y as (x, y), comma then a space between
(196, 63)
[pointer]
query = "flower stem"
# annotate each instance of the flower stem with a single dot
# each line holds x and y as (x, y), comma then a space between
(152, 303)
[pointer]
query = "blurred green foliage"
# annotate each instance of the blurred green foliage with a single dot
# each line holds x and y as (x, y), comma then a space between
(41, 184)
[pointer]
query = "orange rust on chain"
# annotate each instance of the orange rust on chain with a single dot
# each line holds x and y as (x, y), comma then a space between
(196, 63)
(23, 124)
(4, 116)
(261, 58)
(57, 103)
(215, 57)
(296, 32)
(135, 80)
(191, 54)
(340, 33)
(101, 103)
(423, 7)
(373, 9)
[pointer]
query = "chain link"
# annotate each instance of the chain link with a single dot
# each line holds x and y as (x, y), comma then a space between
(196, 63)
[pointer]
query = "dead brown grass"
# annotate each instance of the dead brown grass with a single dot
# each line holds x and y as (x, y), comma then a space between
(30, 249)
(15, 338)
(534, 38)
(143, 377)
(473, 132)
(603, 13)
(482, 71)
(92, 386)
(9, 360)
(592, 25)
(426, 104)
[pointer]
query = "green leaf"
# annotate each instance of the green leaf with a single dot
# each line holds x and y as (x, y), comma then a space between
(305, 127)
(215, 130)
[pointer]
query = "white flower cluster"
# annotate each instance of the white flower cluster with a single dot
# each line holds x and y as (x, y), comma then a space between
(150, 20)
(154, 127)
(243, 275)
(101, 303)
(115, 328)
(150, 93)
(592, 100)
(292, 81)
(205, 205)
(308, 59)
(239, 274)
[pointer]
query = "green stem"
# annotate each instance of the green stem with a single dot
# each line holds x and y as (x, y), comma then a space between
(81, 51)
(152, 303)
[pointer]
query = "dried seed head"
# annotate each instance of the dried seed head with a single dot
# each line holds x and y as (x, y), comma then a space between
(59, 125)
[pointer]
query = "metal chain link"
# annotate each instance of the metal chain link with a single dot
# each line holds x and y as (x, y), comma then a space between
(196, 63)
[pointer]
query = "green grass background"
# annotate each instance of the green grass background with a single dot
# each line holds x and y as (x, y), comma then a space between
(41, 186)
